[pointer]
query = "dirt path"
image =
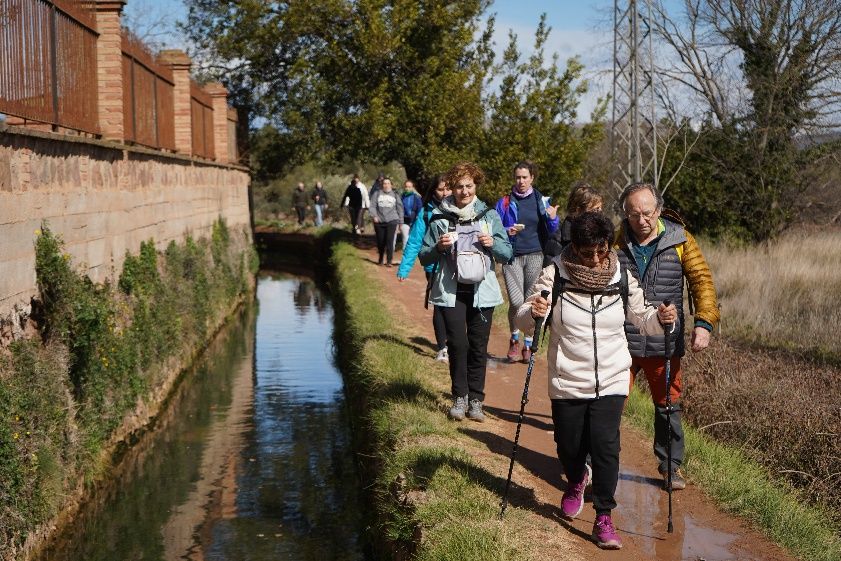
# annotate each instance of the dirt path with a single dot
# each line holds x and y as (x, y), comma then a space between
(701, 531)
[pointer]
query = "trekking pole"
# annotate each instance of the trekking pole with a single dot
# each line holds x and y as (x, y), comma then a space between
(525, 399)
(667, 332)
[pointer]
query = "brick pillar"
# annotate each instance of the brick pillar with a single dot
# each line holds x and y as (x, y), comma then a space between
(109, 69)
(180, 64)
(220, 120)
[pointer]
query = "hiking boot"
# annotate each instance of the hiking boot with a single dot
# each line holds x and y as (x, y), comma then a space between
(678, 482)
(604, 534)
(526, 353)
(513, 350)
(474, 411)
(457, 410)
(573, 500)
(442, 355)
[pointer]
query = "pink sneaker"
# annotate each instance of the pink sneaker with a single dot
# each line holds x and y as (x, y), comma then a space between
(513, 351)
(573, 500)
(604, 534)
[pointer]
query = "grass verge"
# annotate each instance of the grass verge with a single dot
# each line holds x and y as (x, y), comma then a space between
(743, 488)
(432, 496)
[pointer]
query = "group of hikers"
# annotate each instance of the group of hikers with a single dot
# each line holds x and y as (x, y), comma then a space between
(611, 299)
(301, 202)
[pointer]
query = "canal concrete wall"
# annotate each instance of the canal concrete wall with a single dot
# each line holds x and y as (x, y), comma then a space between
(103, 198)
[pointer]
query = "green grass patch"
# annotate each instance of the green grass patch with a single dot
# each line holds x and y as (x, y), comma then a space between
(744, 488)
(431, 498)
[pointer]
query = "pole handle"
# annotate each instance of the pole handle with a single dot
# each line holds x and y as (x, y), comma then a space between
(538, 323)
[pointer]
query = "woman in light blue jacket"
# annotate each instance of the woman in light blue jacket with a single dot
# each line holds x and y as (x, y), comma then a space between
(467, 306)
(432, 199)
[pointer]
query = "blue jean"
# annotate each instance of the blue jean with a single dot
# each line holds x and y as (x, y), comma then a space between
(319, 215)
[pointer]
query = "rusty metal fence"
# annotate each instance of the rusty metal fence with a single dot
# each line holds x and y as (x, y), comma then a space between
(233, 152)
(48, 62)
(201, 111)
(148, 90)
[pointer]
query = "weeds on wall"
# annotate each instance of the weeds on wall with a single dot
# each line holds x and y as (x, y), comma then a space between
(103, 348)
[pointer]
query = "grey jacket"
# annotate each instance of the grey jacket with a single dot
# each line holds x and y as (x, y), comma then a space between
(444, 284)
(386, 207)
(663, 280)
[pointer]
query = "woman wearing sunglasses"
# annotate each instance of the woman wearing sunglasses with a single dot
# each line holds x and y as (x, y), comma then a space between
(589, 361)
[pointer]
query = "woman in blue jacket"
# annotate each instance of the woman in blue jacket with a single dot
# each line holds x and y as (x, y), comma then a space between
(431, 201)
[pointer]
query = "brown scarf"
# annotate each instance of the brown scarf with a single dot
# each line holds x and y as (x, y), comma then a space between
(591, 279)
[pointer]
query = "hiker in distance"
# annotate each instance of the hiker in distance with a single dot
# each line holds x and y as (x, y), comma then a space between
(465, 239)
(660, 254)
(300, 203)
(529, 221)
(591, 298)
(319, 202)
(387, 213)
(412, 206)
(431, 201)
(356, 201)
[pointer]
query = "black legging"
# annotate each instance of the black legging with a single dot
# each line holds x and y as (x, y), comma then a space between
(438, 322)
(385, 237)
(468, 329)
(302, 213)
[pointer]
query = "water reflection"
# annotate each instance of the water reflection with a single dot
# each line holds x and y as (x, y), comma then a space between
(251, 459)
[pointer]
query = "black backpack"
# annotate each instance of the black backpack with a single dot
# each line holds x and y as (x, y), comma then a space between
(559, 286)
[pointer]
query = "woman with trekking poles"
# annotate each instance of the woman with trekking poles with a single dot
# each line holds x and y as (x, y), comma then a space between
(582, 198)
(431, 201)
(464, 240)
(589, 362)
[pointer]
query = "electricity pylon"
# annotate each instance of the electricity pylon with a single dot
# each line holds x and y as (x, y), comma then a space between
(634, 128)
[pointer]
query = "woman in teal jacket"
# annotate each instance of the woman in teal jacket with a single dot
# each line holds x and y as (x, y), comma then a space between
(432, 199)
(467, 307)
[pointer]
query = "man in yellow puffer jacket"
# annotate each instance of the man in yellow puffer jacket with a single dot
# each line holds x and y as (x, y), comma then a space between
(660, 253)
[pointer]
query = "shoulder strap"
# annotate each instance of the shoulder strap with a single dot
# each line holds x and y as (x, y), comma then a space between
(482, 214)
(623, 286)
(557, 289)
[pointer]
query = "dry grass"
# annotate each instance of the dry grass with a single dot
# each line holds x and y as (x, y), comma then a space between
(784, 294)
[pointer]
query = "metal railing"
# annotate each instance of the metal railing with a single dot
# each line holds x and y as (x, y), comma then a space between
(48, 62)
(148, 90)
(201, 111)
(233, 119)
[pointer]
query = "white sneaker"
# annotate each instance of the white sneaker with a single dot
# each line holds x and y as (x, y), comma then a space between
(442, 355)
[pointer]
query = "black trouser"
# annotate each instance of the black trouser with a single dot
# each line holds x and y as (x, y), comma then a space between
(590, 426)
(302, 213)
(661, 436)
(438, 322)
(385, 239)
(355, 217)
(468, 330)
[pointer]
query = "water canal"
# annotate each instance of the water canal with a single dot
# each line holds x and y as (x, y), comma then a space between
(251, 458)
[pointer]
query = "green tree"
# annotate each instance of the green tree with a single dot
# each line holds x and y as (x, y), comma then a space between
(533, 116)
(372, 79)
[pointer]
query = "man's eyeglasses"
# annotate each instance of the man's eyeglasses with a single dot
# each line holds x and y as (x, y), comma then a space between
(591, 253)
(648, 215)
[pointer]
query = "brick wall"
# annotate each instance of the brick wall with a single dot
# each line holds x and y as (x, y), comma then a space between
(104, 199)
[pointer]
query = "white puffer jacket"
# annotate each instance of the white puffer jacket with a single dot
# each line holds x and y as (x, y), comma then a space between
(588, 352)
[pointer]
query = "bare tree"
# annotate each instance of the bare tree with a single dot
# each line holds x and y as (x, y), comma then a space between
(764, 74)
